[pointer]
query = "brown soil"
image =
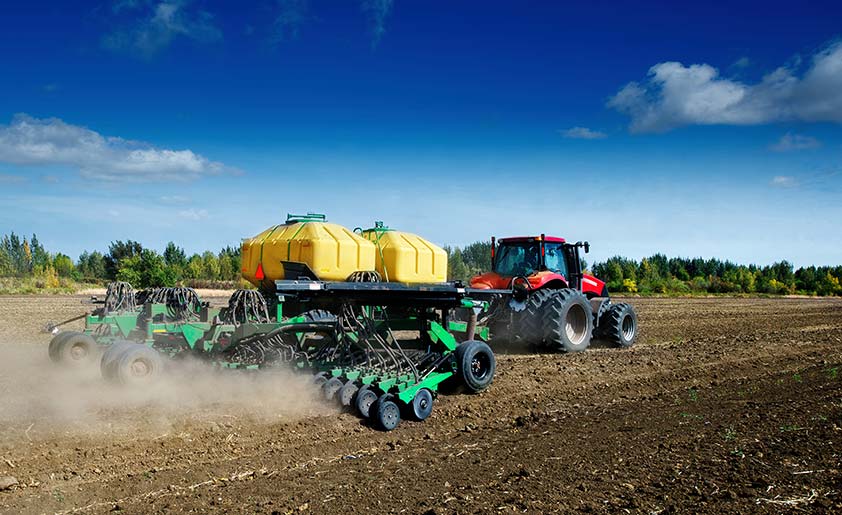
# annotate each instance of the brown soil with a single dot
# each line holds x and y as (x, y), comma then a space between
(723, 406)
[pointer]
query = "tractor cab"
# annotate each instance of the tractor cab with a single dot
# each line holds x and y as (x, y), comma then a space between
(535, 262)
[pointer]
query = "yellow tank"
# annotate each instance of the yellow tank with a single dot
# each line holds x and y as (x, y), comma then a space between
(330, 250)
(405, 257)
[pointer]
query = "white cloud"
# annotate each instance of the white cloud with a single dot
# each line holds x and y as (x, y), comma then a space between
(784, 181)
(377, 11)
(790, 141)
(159, 24)
(194, 214)
(675, 95)
(582, 133)
(50, 141)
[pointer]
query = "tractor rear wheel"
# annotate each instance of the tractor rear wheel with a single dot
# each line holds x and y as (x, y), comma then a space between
(619, 325)
(476, 364)
(77, 349)
(568, 320)
(527, 324)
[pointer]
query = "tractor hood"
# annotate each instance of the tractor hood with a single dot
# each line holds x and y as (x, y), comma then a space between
(538, 280)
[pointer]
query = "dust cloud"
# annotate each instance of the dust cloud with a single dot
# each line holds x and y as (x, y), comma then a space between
(39, 398)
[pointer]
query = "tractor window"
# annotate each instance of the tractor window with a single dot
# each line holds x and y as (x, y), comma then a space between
(521, 258)
(554, 258)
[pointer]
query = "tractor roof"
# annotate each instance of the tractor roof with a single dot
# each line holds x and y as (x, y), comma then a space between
(515, 239)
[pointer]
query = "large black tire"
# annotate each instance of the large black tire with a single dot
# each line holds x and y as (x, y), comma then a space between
(108, 362)
(476, 364)
(618, 325)
(527, 324)
(56, 342)
(138, 365)
(568, 320)
(77, 350)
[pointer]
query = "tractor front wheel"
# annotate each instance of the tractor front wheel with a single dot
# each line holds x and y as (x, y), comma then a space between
(619, 325)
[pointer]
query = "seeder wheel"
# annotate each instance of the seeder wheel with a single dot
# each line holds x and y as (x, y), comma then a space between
(320, 379)
(421, 406)
(385, 413)
(75, 349)
(346, 393)
(331, 387)
(365, 398)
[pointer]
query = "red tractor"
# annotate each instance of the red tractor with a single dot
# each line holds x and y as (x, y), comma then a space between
(554, 303)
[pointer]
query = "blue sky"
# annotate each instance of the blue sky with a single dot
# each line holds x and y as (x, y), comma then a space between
(710, 130)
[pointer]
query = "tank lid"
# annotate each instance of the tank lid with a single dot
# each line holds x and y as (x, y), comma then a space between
(379, 226)
(309, 217)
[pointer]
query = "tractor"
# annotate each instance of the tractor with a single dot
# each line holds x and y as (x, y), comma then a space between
(553, 302)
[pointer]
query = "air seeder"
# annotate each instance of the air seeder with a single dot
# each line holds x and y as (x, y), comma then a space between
(384, 349)
(368, 313)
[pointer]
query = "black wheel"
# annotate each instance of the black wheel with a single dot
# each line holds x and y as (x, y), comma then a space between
(421, 406)
(618, 325)
(320, 379)
(476, 364)
(527, 324)
(385, 413)
(346, 393)
(331, 387)
(365, 398)
(108, 362)
(138, 365)
(56, 342)
(77, 350)
(568, 320)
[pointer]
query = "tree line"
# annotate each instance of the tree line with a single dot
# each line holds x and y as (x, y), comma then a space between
(660, 274)
(128, 261)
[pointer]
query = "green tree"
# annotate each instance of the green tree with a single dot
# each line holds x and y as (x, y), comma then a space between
(456, 268)
(117, 252)
(210, 266)
(92, 265)
(63, 265)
